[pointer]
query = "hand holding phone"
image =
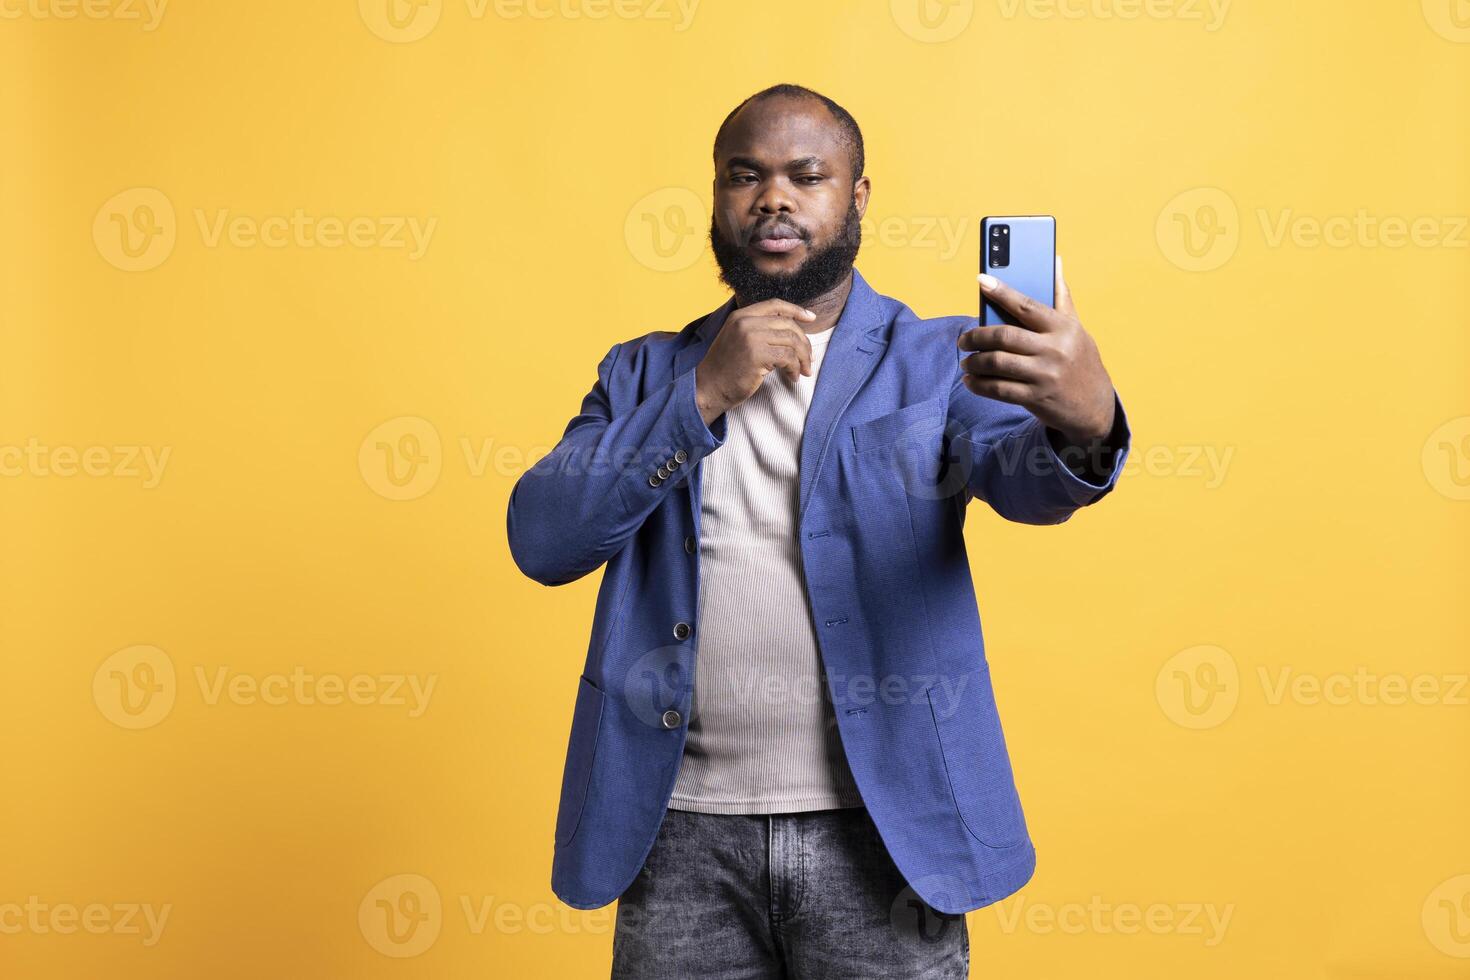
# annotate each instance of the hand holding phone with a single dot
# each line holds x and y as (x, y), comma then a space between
(1030, 348)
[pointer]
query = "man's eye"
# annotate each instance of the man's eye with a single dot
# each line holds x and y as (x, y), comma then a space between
(811, 178)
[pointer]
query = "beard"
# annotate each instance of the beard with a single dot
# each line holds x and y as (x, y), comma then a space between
(823, 269)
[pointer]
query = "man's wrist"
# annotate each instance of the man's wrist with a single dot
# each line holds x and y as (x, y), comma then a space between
(1089, 458)
(709, 406)
(1095, 430)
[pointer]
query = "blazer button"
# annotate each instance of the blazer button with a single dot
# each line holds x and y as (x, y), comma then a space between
(680, 456)
(672, 464)
(663, 472)
(689, 544)
(654, 481)
(681, 631)
(671, 719)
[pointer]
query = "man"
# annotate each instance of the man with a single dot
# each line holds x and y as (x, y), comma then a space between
(779, 492)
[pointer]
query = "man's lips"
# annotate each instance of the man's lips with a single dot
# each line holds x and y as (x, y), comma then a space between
(777, 244)
(776, 238)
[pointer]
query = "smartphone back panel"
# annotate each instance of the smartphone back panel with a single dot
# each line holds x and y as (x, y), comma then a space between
(1020, 252)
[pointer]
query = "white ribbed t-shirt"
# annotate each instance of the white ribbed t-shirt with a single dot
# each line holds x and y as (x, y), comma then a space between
(762, 733)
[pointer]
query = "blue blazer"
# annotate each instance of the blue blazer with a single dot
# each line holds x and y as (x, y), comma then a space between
(894, 448)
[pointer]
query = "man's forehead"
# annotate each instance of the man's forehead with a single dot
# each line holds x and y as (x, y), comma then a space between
(779, 131)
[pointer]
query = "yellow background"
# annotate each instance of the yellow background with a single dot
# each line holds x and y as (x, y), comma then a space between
(1332, 378)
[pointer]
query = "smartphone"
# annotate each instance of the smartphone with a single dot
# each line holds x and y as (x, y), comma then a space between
(1020, 251)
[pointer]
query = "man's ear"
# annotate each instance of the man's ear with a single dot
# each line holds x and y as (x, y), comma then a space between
(860, 192)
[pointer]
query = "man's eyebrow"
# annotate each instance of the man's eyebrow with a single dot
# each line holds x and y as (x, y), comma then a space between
(801, 163)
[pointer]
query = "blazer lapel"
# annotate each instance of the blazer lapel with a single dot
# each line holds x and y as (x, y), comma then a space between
(852, 353)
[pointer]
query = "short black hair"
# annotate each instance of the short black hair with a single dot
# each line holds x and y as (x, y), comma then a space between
(851, 135)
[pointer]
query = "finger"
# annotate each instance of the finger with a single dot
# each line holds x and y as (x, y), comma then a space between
(1001, 389)
(1029, 313)
(782, 331)
(784, 359)
(1003, 364)
(787, 340)
(778, 307)
(1064, 295)
(1002, 336)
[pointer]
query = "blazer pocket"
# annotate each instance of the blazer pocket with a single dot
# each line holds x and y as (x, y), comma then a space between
(581, 750)
(919, 421)
(976, 761)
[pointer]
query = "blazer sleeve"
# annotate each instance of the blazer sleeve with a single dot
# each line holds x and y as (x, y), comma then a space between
(583, 501)
(1010, 463)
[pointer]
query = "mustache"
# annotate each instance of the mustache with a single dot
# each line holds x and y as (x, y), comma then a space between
(778, 228)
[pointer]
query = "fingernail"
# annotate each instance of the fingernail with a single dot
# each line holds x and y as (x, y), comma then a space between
(809, 314)
(988, 282)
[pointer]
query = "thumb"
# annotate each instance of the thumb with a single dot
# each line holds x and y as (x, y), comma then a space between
(1063, 294)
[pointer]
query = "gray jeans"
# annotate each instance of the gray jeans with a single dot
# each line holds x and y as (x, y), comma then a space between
(807, 896)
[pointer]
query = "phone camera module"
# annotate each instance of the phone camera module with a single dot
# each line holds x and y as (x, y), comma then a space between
(1000, 246)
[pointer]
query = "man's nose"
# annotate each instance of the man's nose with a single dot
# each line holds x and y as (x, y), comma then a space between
(773, 199)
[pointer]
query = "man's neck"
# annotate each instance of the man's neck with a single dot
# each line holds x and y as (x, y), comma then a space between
(828, 306)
